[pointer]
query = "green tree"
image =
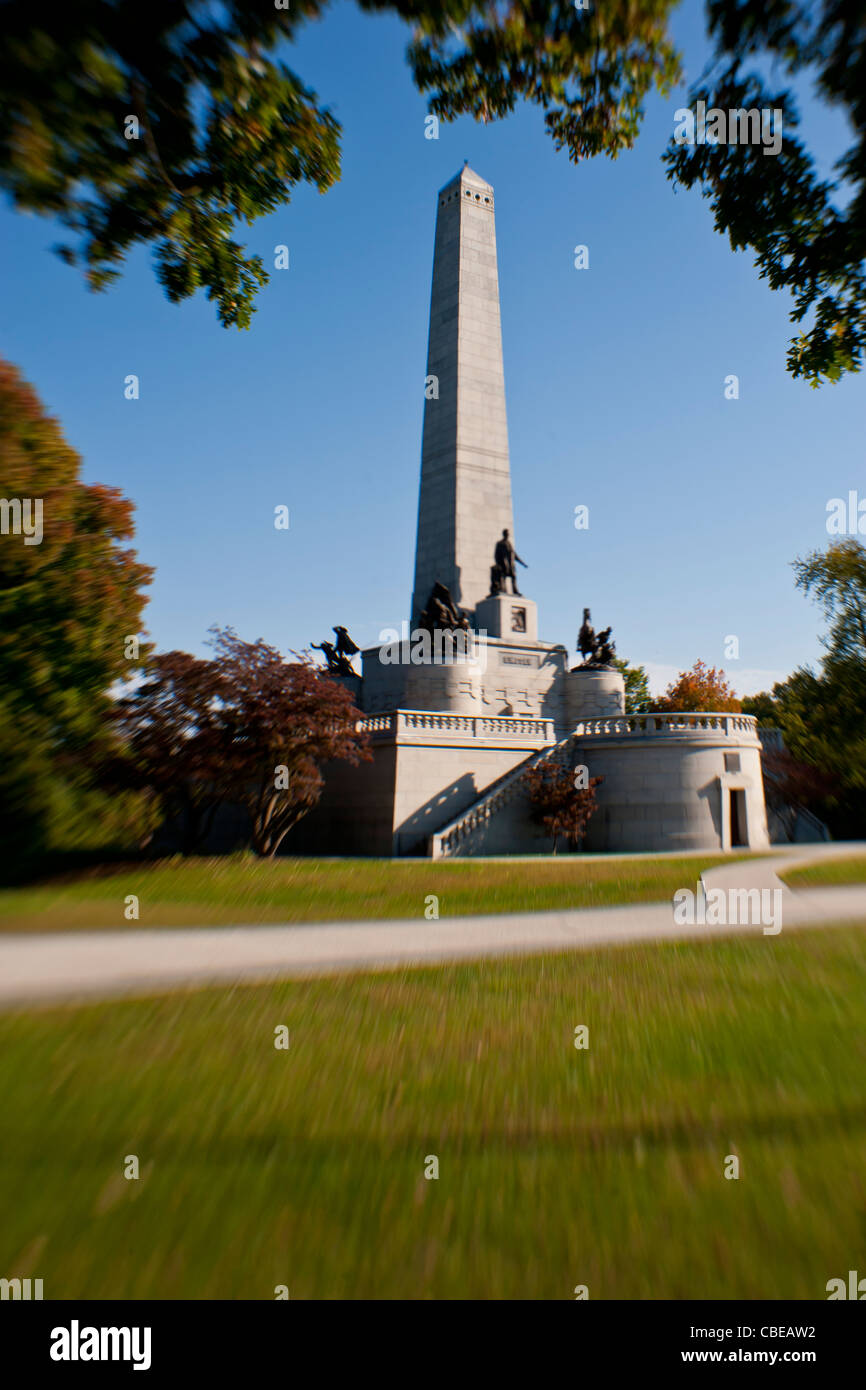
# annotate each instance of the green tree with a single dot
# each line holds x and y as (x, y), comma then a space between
(807, 232)
(169, 125)
(71, 598)
(822, 715)
(836, 578)
(637, 691)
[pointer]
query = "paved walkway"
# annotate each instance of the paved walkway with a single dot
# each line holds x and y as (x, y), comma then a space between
(80, 965)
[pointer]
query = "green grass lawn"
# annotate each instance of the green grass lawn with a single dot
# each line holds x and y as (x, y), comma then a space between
(243, 889)
(831, 871)
(557, 1167)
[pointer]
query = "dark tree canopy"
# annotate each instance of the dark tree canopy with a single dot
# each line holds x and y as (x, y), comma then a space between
(224, 129)
(560, 803)
(174, 741)
(224, 133)
(809, 234)
(245, 727)
(822, 715)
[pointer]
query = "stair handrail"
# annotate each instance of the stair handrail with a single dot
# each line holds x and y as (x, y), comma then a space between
(441, 842)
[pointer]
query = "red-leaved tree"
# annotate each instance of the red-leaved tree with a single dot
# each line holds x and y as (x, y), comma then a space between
(246, 727)
(175, 741)
(561, 806)
(285, 720)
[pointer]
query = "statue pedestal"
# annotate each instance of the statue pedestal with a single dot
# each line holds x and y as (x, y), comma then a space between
(593, 692)
(508, 616)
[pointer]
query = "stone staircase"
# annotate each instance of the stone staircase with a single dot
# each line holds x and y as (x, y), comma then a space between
(794, 824)
(459, 835)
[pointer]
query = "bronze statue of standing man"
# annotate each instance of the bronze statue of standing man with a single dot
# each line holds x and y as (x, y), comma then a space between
(504, 557)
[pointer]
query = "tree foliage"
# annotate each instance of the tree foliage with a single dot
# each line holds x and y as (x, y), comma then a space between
(173, 740)
(836, 578)
(822, 716)
(637, 691)
(245, 727)
(562, 807)
(285, 719)
(68, 603)
(226, 129)
(702, 689)
(790, 783)
(807, 232)
(224, 133)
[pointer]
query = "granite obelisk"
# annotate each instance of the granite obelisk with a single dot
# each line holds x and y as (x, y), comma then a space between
(465, 497)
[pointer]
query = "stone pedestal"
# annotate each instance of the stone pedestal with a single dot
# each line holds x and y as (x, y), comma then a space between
(593, 693)
(508, 616)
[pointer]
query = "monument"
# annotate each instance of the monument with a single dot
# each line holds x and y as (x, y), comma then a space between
(465, 699)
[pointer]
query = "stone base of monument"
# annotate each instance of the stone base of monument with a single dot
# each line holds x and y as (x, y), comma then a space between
(446, 783)
(518, 676)
(508, 616)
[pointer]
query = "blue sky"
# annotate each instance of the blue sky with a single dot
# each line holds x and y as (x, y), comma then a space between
(614, 377)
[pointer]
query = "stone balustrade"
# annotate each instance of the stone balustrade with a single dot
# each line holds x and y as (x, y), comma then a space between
(711, 726)
(427, 725)
(376, 724)
(772, 740)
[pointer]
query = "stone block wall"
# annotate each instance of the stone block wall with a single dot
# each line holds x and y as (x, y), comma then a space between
(668, 794)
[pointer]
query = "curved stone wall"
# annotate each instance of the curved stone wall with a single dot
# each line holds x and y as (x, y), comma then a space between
(690, 783)
(591, 693)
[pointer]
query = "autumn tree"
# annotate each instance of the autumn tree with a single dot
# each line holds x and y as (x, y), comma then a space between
(169, 126)
(71, 602)
(702, 689)
(562, 801)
